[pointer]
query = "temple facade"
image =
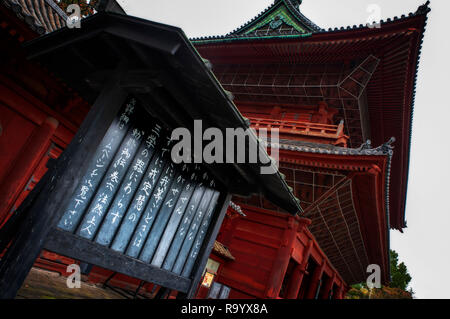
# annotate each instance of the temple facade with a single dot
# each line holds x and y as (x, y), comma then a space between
(342, 100)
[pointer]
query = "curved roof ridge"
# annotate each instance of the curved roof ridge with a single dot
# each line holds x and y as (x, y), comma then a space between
(291, 5)
(300, 15)
(234, 35)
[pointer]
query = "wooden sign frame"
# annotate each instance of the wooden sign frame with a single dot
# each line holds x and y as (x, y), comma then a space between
(43, 210)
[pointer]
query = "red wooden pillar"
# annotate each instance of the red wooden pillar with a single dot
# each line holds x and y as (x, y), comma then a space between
(317, 274)
(328, 286)
(295, 282)
(30, 155)
(340, 294)
(298, 274)
(282, 260)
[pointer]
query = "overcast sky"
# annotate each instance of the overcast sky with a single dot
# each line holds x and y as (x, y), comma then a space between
(424, 246)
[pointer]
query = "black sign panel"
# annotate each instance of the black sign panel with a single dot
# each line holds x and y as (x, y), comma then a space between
(134, 201)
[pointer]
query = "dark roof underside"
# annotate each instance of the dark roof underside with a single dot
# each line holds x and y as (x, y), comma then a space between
(42, 16)
(166, 72)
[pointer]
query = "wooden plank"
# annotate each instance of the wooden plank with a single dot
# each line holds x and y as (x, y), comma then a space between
(67, 244)
(183, 228)
(147, 219)
(203, 228)
(128, 188)
(208, 243)
(66, 174)
(164, 214)
(86, 188)
(192, 232)
(133, 215)
(175, 219)
(364, 115)
(110, 184)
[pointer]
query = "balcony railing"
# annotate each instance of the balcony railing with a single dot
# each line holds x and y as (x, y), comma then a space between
(307, 131)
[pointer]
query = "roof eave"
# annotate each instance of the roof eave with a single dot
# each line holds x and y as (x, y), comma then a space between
(165, 39)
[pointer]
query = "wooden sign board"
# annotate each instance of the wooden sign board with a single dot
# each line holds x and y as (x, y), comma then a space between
(134, 201)
(136, 212)
(218, 291)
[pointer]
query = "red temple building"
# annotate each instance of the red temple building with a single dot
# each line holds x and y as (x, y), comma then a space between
(342, 100)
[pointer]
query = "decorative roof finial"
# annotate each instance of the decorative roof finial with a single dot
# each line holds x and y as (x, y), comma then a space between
(423, 9)
(367, 145)
(387, 147)
(294, 3)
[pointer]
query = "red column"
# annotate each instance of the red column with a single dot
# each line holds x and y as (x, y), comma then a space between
(317, 274)
(295, 282)
(340, 293)
(281, 262)
(297, 276)
(328, 286)
(14, 182)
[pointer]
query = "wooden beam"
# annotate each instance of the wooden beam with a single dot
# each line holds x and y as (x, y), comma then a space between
(67, 244)
(363, 105)
(327, 194)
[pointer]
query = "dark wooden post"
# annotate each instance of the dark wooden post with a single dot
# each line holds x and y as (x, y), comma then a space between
(328, 286)
(299, 273)
(43, 213)
(315, 281)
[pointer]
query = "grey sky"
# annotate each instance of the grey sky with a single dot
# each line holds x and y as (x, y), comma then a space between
(424, 244)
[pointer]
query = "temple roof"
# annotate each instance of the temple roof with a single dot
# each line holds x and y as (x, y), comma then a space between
(390, 91)
(365, 149)
(347, 200)
(282, 17)
(42, 16)
(259, 28)
(221, 250)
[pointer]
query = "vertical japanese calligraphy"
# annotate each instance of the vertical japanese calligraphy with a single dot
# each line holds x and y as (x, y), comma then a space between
(164, 214)
(134, 200)
(189, 263)
(192, 232)
(110, 184)
(183, 227)
(174, 221)
(96, 170)
(138, 203)
(129, 187)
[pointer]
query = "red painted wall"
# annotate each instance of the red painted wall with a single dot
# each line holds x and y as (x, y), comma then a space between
(263, 243)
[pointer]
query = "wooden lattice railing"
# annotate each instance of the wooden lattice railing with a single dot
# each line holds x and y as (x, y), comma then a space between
(308, 131)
